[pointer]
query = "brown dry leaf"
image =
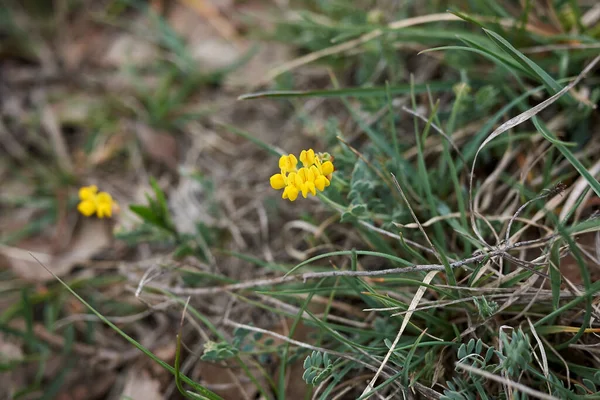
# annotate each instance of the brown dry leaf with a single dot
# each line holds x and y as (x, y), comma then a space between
(211, 13)
(127, 49)
(160, 147)
(141, 386)
(91, 236)
(206, 46)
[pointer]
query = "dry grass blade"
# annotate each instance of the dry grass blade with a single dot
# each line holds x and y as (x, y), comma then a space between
(405, 23)
(507, 382)
(298, 62)
(577, 189)
(411, 309)
(542, 351)
(511, 123)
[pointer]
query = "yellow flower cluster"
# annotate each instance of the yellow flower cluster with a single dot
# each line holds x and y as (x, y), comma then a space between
(93, 202)
(314, 175)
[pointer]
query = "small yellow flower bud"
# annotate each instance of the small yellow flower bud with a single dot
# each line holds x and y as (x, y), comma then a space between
(327, 168)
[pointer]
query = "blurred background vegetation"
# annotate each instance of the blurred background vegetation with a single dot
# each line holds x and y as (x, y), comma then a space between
(180, 110)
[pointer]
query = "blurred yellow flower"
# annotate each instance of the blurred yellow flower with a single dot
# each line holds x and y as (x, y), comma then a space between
(314, 175)
(93, 202)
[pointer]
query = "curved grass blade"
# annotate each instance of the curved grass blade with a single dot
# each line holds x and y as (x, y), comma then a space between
(568, 155)
(352, 92)
(205, 392)
(524, 61)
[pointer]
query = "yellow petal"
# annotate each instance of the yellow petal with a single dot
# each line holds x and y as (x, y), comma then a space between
(293, 161)
(315, 171)
(104, 210)
(87, 207)
(327, 168)
(277, 181)
(290, 193)
(298, 181)
(311, 188)
(304, 158)
(304, 190)
(288, 163)
(320, 182)
(283, 162)
(104, 197)
(310, 175)
(307, 157)
(302, 174)
(87, 192)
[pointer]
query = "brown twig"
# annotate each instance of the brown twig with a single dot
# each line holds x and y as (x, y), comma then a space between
(500, 251)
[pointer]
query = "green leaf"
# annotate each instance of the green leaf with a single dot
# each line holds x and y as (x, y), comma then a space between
(462, 351)
(307, 362)
(317, 359)
(524, 61)
(146, 214)
(160, 196)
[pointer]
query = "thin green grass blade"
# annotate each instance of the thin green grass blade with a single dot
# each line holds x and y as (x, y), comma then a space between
(539, 125)
(409, 356)
(555, 275)
(487, 47)
(392, 121)
(524, 61)
(422, 168)
(385, 383)
(379, 91)
(205, 392)
(590, 225)
(447, 267)
(595, 288)
(466, 17)
(249, 136)
(349, 253)
(284, 357)
(178, 383)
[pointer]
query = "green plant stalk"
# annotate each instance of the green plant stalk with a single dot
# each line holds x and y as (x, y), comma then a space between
(453, 171)
(284, 358)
